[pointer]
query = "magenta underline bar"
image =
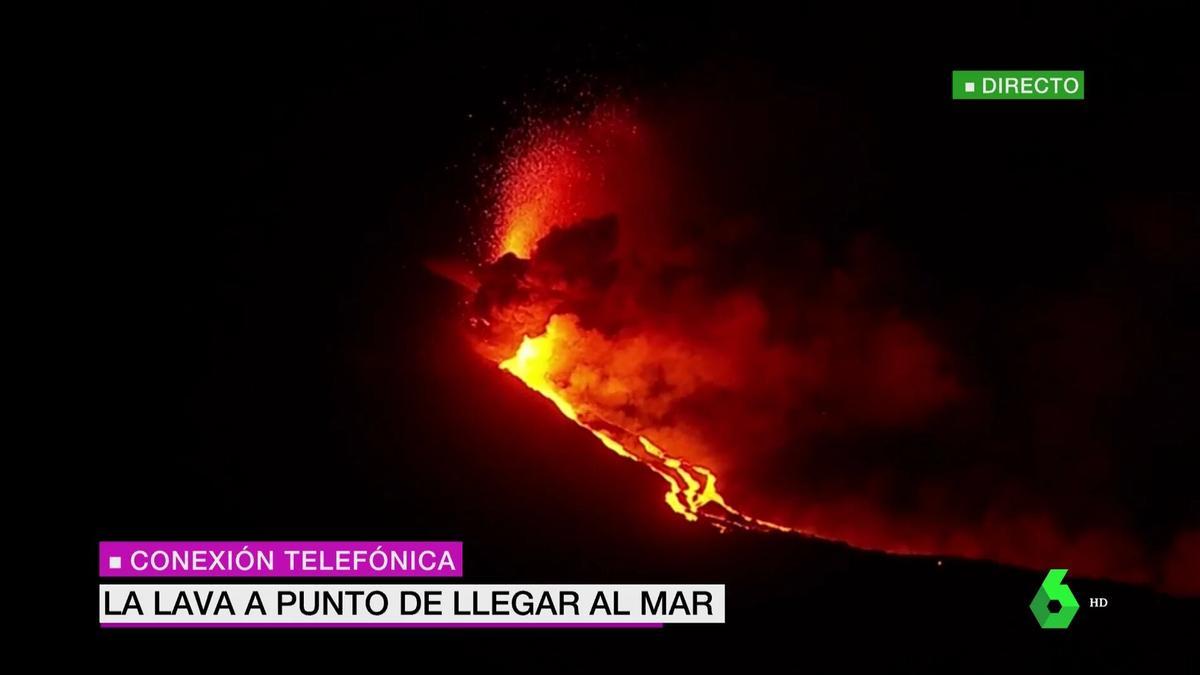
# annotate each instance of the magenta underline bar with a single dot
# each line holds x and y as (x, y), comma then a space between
(380, 625)
(228, 559)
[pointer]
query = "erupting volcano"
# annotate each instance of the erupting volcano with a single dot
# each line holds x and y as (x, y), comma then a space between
(637, 279)
(552, 179)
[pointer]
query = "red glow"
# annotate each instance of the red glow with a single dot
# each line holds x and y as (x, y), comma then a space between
(609, 294)
(557, 174)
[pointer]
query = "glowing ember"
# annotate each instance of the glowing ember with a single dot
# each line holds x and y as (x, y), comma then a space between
(540, 193)
(555, 174)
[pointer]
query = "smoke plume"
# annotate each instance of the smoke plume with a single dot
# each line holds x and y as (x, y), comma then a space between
(708, 287)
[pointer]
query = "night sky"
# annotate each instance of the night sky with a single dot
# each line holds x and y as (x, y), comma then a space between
(266, 354)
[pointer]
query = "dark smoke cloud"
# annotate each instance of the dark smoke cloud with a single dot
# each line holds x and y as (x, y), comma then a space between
(727, 299)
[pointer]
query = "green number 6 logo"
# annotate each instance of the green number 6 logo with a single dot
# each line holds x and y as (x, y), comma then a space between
(1054, 589)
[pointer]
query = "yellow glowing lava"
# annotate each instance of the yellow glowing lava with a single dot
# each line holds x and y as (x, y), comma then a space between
(524, 229)
(692, 489)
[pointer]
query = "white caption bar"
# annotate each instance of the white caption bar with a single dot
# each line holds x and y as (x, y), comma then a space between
(282, 605)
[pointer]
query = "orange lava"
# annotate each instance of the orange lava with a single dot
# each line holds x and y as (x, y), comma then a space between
(552, 176)
(692, 489)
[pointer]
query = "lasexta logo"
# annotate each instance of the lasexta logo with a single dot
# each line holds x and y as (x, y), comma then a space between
(1054, 590)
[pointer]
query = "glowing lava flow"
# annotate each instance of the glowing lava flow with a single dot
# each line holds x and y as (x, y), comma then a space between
(557, 174)
(692, 489)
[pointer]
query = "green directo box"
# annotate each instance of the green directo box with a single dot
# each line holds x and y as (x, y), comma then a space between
(1016, 85)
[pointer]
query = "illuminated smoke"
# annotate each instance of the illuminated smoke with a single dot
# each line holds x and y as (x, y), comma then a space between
(704, 340)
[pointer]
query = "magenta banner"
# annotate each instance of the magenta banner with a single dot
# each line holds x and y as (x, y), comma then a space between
(281, 559)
